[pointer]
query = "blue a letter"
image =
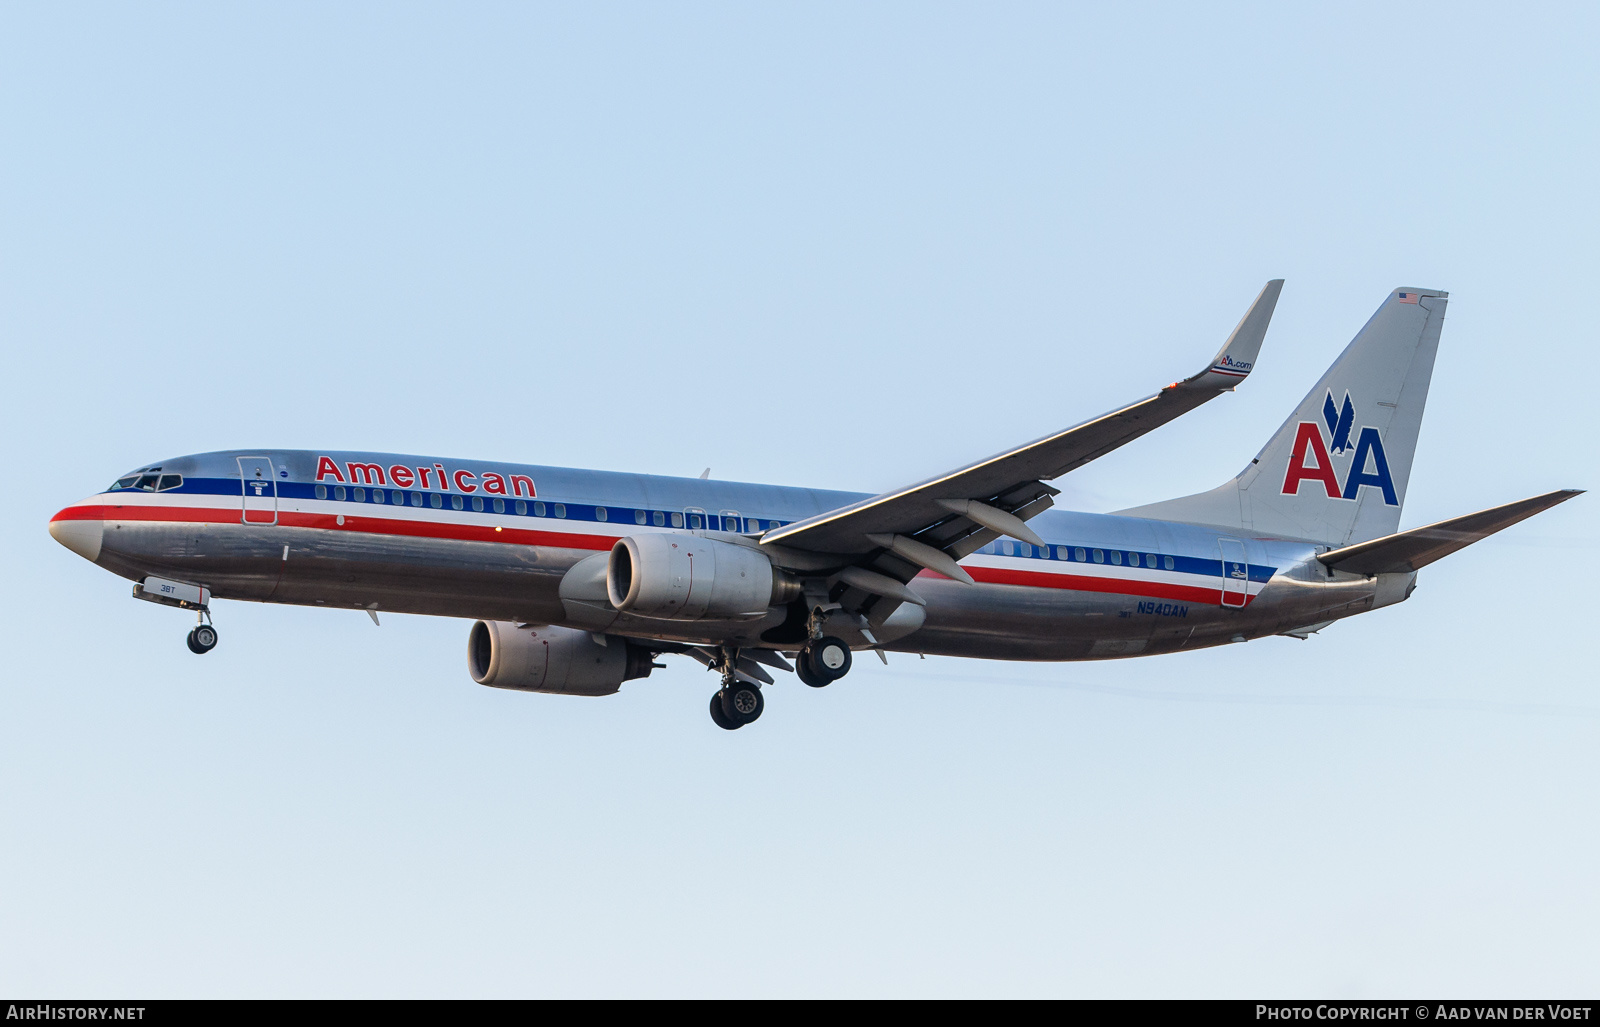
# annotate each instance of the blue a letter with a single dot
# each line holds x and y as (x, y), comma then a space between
(1369, 442)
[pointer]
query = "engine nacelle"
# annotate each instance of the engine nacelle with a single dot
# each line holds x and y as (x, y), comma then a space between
(541, 658)
(685, 577)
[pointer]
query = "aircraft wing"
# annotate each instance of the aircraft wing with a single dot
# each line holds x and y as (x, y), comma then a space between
(956, 513)
(1414, 549)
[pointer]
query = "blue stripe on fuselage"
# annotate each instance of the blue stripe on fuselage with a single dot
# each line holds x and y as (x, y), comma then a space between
(621, 518)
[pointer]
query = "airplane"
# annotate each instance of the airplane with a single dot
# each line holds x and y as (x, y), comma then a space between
(579, 580)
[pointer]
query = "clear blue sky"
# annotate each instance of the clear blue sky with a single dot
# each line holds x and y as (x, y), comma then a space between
(837, 245)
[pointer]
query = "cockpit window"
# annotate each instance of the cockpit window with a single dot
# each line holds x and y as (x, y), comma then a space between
(148, 481)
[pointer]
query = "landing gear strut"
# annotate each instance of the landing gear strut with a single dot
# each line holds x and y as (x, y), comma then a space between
(737, 702)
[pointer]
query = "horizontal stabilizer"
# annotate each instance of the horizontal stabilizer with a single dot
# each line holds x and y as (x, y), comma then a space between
(1411, 550)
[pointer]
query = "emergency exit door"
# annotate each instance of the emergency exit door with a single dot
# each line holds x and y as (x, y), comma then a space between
(1235, 572)
(260, 487)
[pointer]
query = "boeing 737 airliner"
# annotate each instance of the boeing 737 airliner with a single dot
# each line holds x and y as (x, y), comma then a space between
(579, 580)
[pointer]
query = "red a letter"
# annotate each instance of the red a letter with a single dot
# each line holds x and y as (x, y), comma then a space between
(494, 484)
(1309, 437)
(326, 467)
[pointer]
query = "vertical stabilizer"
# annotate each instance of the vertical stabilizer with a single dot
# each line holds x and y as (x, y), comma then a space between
(1337, 470)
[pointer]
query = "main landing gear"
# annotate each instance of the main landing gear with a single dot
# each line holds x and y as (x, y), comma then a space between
(203, 638)
(823, 662)
(738, 702)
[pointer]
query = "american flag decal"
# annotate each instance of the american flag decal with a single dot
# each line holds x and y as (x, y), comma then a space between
(1407, 297)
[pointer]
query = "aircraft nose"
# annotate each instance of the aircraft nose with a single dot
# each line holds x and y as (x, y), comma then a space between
(80, 531)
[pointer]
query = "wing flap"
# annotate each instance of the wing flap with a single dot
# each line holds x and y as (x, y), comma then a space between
(1414, 549)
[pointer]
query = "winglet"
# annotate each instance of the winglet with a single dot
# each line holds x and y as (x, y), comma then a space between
(1237, 356)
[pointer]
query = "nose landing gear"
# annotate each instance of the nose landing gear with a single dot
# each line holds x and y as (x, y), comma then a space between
(185, 596)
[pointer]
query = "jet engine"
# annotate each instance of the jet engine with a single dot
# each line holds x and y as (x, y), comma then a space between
(685, 577)
(542, 658)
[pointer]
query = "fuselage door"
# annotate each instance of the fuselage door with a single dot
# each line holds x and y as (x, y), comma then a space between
(260, 486)
(731, 521)
(1235, 572)
(695, 518)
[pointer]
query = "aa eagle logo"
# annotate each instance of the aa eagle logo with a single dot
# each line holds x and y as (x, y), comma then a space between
(1311, 458)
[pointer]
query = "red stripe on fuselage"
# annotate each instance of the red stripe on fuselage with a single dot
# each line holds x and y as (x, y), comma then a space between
(1095, 583)
(352, 522)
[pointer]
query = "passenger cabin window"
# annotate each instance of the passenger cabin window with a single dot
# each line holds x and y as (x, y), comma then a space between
(435, 500)
(1116, 557)
(659, 519)
(416, 499)
(522, 507)
(378, 495)
(321, 491)
(561, 509)
(677, 520)
(458, 502)
(360, 495)
(500, 507)
(638, 517)
(477, 504)
(538, 509)
(1167, 562)
(600, 513)
(338, 492)
(1099, 557)
(694, 520)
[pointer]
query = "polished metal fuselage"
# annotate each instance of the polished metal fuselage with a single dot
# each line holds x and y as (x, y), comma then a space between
(1193, 586)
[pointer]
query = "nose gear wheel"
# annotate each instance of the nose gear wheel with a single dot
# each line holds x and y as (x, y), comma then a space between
(202, 639)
